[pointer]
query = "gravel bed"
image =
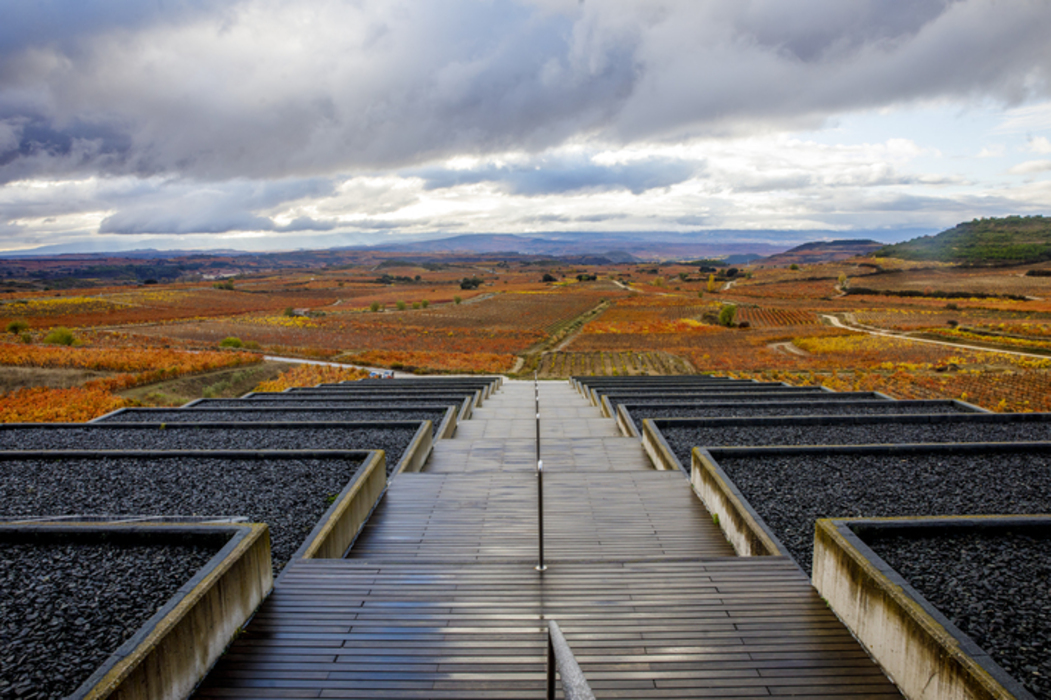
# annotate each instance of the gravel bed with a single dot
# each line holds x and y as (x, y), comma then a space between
(289, 495)
(995, 586)
(64, 608)
(790, 492)
(394, 440)
(735, 397)
(334, 402)
(682, 439)
(641, 411)
(178, 415)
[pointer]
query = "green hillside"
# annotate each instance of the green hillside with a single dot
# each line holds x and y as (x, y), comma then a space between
(1010, 240)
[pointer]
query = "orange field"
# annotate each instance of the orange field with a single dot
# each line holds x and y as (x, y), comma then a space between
(640, 318)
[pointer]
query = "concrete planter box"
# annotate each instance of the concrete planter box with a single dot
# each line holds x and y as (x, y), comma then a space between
(170, 654)
(743, 527)
(625, 423)
(927, 656)
(339, 527)
(657, 449)
(418, 451)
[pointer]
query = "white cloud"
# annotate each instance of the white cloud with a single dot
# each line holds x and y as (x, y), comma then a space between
(1040, 144)
(1031, 167)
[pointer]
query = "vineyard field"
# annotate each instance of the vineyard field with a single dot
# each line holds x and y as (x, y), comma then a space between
(445, 315)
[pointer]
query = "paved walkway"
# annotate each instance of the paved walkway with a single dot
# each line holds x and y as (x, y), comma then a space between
(439, 599)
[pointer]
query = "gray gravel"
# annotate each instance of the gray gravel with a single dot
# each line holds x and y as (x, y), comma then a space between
(994, 586)
(790, 492)
(869, 408)
(737, 397)
(64, 608)
(176, 415)
(682, 439)
(393, 440)
(289, 495)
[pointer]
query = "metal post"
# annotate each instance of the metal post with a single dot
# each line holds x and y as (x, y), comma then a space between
(539, 484)
(540, 513)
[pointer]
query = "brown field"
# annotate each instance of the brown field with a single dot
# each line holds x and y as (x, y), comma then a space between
(633, 319)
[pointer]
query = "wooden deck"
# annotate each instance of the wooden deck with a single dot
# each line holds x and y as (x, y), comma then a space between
(438, 598)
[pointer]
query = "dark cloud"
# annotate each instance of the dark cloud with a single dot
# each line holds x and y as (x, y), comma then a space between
(555, 175)
(216, 89)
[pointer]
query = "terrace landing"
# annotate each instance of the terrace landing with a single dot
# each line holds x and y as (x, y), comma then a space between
(439, 599)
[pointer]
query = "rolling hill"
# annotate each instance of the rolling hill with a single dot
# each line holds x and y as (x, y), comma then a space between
(995, 241)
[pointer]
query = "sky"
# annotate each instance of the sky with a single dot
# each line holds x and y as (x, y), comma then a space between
(273, 124)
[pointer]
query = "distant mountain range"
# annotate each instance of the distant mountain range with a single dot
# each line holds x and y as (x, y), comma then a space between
(821, 251)
(616, 246)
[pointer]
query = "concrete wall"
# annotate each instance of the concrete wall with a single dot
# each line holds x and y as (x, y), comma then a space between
(742, 526)
(657, 449)
(418, 450)
(170, 655)
(917, 647)
(332, 537)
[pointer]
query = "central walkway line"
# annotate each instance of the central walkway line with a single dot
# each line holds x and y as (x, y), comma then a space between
(438, 597)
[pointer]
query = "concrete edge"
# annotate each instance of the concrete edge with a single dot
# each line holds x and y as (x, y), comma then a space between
(466, 409)
(876, 419)
(657, 449)
(606, 407)
(946, 448)
(341, 523)
(677, 404)
(172, 652)
(741, 525)
(924, 654)
(418, 451)
(447, 428)
(626, 423)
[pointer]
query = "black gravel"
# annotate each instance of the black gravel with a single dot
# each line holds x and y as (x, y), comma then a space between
(393, 440)
(176, 415)
(64, 608)
(314, 402)
(994, 586)
(640, 411)
(289, 495)
(790, 492)
(682, 439)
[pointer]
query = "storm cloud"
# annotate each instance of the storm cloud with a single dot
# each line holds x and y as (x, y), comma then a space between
(203, 116)
(272, 88)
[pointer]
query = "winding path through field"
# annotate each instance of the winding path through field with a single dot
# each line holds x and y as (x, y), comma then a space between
(838, 323)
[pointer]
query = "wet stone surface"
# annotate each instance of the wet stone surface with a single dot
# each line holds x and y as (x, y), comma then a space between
(289, 495)
(996, 587)
(64, 608)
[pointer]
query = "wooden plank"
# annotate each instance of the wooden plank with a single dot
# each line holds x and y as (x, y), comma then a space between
(439, 599)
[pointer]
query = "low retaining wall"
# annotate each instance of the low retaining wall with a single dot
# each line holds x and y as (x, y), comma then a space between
(447, 429)
(338, 528)
(743, 527)
(927, 656)
(625, 423)
(170, 654)
(418, 451)
(657, 449)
